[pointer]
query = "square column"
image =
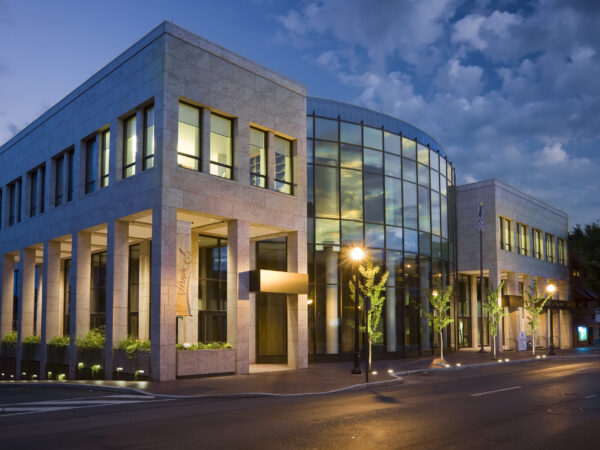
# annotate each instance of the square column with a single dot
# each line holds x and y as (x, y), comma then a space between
(50, 300)
(79, 308)
(565, 320)
(474, 312)
(238, 304)
(495, 280)
(252, 318)
(6, 299)
(189, 331)
(163, 294)
(144, 295)
(297, 312)
(26, 294)
(39, 286)
(117, 289)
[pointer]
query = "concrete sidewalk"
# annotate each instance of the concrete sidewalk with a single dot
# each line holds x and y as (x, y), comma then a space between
(321, 378)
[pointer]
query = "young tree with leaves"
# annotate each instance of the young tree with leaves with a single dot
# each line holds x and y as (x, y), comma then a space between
(495, 312)
(439, 317)
(372, 288)
(534, 304)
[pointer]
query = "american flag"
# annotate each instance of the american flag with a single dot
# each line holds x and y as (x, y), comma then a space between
(480, 219)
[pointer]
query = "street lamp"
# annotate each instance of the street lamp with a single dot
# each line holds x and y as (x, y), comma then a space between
(356, 255)
(551, 289)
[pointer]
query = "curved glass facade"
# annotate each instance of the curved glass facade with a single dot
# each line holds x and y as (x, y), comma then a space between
(381, 183)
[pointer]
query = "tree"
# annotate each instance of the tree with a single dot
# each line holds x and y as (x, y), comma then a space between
(372, 288)
(495, 312)
(439, 317)
(534, 303)
(584, 244)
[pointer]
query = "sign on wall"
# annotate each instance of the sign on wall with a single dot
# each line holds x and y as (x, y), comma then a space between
(183, 268)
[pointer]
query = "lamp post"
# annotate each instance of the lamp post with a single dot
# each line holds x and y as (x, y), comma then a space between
(356, 255)
(551, 289)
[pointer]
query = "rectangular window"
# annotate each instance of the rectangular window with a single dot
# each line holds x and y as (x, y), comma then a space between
(148, 161)
(537, 244)
(258, 158)
(91, 165)
(562, 251)
(70, 177)
(14, 207)
(42, 187)
(284, 181)
(188, 138)
(98, 290)
(33, 192)
(129, 147)
(506, 234)
(523, 244)
(104, 159)
(212, 289)
(221, 146)
(550, 255)
(133, 299)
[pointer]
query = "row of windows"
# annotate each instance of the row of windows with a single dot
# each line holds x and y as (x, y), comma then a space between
(541, 241)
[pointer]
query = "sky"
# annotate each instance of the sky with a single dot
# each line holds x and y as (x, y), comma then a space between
(510, 89)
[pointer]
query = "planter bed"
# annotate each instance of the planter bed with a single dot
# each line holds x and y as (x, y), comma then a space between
(192, 363)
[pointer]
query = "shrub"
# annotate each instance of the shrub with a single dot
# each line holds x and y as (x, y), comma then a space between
(32, 339)
(204, 346)
(10, 339)
(131, 345)
(93, 340)
(59, 341)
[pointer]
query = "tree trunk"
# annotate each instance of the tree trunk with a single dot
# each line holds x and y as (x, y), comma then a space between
(494, 342)
(533, 343)
(441, 347)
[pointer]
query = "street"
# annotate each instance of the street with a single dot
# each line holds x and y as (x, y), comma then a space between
(541, 404)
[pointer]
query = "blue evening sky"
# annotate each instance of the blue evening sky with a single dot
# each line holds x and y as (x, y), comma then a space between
(510, 89)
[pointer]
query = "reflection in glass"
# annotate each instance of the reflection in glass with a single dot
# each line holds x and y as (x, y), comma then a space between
(326, 192)
(391, 142)
(351, 156)
(409, 148)
(284, 180)
(130, 147)
(373, 138)
(425, 243)
(352, 233)
(327, 231)
(326, 129)
(326, 153)
(393, 201)
(221, 148)
(374, 235)
(410, 170)
(410, 205)
(393, 165)
(423, 175)
(188, 138)
(373, 161)
(435, 214)
(411, 241)
(373, 189)
(435, 180)
(350, 133)
(351, 194)
(258, 158)
(434, 160)
(393, 236)
(422, 154)
(424, 210)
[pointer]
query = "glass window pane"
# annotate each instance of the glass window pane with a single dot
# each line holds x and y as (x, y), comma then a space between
(221, 150)
(188, 137)
(436, 247)
(130, 145)
(326, 129)
(373, 138)
(391, 142)
(350, 133)
(393, 165)
(309, 127)
(442, 166)
(393, 236)
(327, 231)
(394, 265)
(443, 186)
(425, 243)
(409, 148)
(352, 233)
(258, 157)
(309, 150)
(423, 154)
(91, 161)
(283, 165)
(434, 160)
(444, 211)
(351, 156)
(410, 205)
(188, 140)
(373, 187)
(411, 241)
(326, 153)
(373, 161)
(326, 192)
(352, 194)
(220, 171)
(435, 180)
(374, 237)
(410, 170)
(104, 160)
(435, 214)
(149, 138)
(424, 210)
(423, 175)
(393, 201)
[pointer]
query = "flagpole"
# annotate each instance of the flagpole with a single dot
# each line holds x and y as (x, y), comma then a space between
(480, 227)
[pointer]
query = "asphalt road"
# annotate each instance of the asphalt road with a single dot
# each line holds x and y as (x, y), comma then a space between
(545, 405)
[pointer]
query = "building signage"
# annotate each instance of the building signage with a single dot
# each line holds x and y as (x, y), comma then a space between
(183, 268)
(275, 281)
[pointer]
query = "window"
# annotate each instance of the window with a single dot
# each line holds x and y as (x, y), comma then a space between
(523, 239)
(33, 193)
(129, 147)
(562, 251)
(14, 206)
(98, 290)
(91, 165)
(258, 158)
(506, 234)
(104, 158)
(148, 161)
(221, 146)
(42, 187)
(133, 298)
(188, 138)
(212, 289)
(550, 255)
(537, 244)
(283, 166)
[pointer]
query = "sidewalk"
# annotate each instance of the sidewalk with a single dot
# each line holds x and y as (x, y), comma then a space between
(322, 377)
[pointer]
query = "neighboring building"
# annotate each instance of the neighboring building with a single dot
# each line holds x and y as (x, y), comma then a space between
(524, 242)
(377, 182)
(177, 156)
(585, 307)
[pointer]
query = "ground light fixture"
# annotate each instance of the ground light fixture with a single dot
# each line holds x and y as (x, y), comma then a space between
(458, 364)
(390, 370)
(356, 255)
(550, 289)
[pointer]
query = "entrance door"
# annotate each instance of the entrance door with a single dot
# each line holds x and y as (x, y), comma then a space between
(271, 309)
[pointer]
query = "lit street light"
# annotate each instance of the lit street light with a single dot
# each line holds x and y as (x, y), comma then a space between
(356, 255)
(551, 289)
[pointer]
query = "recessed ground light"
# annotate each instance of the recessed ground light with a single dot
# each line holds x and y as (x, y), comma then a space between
(506, 360)
(374, 372)
(389, 371)
(458, 364)
(119, 369)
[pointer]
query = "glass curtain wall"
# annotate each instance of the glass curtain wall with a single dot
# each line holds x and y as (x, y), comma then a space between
(393, 195)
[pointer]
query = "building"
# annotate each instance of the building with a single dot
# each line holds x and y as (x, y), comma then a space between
(524, 244)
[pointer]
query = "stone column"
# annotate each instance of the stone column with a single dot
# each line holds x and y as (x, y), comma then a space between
(252, 318)
(144, 305)
(238, 305)
(163, 293)
(50, 300)
(6, 299)
(26, 294)
(474, 312)
(495, 280)
(79, 308)
(297, 312)
(117, 289)
(566, 329)
(189, 332)
(38, 300)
